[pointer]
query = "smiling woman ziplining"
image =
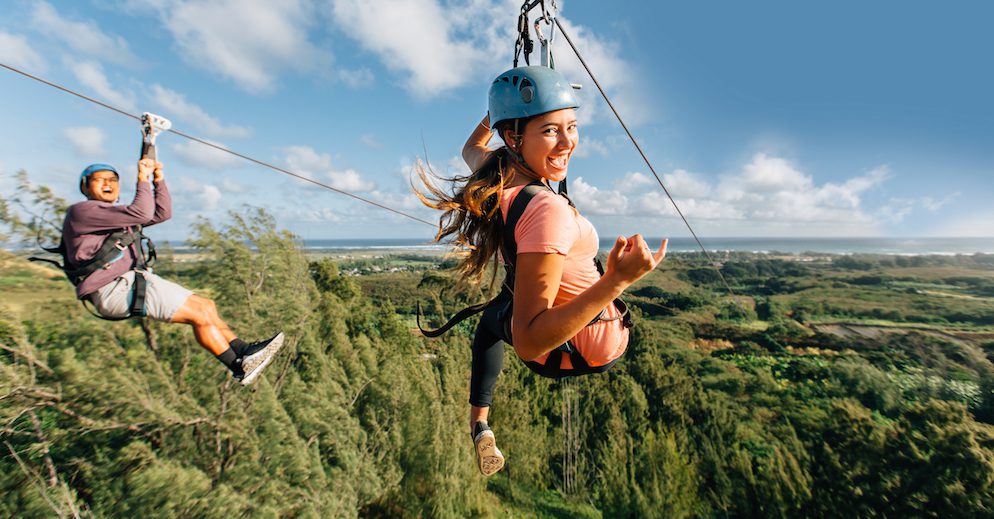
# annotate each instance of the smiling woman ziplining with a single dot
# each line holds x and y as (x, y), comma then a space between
(566, 317)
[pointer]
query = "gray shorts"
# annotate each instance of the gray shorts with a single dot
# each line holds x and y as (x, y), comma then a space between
(162, 298)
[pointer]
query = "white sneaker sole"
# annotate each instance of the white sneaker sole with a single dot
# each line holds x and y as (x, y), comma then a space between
(258, 362)
(487, 454)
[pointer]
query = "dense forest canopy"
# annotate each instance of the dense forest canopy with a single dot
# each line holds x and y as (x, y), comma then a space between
(827, 387)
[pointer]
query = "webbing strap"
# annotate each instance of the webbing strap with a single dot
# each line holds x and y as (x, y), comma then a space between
(137, 308)
(115, 245)
(462, 315)
(514, 213)
(509, 250)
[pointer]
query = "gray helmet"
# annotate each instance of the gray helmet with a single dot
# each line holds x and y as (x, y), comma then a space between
(529, 91)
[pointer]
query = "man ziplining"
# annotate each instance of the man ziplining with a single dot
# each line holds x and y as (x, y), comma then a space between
(102, 248)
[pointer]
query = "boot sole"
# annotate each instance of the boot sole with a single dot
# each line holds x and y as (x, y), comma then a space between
(489, 456)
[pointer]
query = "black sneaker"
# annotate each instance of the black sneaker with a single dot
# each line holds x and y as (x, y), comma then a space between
(488, 456)
(255, 357)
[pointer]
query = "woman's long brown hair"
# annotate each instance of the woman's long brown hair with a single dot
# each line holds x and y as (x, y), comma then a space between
(470, 212)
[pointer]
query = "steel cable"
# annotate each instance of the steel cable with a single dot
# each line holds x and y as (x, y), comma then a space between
(644, 157)
(220, 148)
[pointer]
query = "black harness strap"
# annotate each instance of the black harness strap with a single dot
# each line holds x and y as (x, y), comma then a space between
(137, 308)
(110, 251)
(509, 250)
(462, 315)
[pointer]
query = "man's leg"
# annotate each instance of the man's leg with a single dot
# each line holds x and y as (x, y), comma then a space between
(210, 330)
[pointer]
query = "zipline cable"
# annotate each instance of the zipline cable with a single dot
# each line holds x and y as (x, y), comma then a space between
(642, 153)
(218, 147)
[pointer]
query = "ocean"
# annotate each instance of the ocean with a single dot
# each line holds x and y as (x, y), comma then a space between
(897, 246)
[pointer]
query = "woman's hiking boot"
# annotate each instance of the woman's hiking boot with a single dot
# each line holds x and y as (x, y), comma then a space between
(488, 456)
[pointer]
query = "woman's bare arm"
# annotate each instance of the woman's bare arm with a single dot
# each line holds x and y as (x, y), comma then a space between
(538, 327)
(475, 151)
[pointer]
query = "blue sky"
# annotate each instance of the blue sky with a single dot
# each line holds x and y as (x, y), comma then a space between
(764, 118)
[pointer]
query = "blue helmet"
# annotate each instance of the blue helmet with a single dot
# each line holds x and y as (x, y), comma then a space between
(91, 169)
(528, 91)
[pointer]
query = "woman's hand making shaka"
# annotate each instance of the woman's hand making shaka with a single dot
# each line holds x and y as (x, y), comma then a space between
(631, 259)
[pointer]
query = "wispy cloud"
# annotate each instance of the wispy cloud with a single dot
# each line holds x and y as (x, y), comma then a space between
(250, 42)
(91, 75)
(357, 77)
(440, 46)
(370, 140)
(175, 105)
(16, 50)
(619, 77)
(86, 141)
(933, 204)
(85, 37)
(413, 37)
(199, 156)
(199, 197)
(308, 162)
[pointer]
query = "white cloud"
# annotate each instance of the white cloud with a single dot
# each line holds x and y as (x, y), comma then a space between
(414, 37)
(197, 155)
(87, 141)
(438, 46)
(82, 36)
(896, 210)
(16, 51)
(770, 175)
(406, 202)
(310, 215)
(356, 78)
(769, 195)
(91, 75)
(591, 146)
(370, 140)
(176, 106)
(596, 201)
(250, 42)
(230, 186)
(456, 166)
(934, 205)
(618, 77)
(197, 196)
(633, 182)
(318, 166)
(210, 196)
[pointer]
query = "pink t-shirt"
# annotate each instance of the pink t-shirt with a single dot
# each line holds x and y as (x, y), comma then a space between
(549, 225)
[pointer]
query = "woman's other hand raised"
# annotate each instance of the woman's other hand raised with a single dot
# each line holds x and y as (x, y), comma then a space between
(630, 259)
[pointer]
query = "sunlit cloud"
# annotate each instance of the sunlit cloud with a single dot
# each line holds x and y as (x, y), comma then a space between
(250, 42)
(91, 75)
(15, 50)
(175, 106)
(199, 156)
(318, 166)
(86, 141)
(85, 37)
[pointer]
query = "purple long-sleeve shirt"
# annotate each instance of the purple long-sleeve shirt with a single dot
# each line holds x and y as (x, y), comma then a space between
(86, 225)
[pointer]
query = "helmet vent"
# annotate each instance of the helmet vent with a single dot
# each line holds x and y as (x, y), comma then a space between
(527, 89)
